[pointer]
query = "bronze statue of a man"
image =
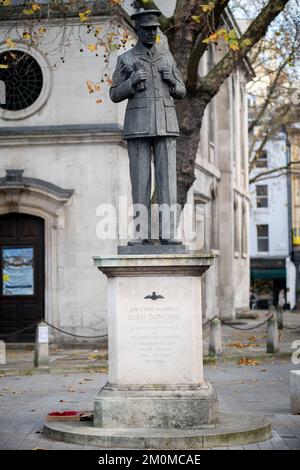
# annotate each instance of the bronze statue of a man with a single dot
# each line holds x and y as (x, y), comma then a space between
(148, 77)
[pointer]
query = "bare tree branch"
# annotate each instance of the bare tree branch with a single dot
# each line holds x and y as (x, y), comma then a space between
(258, 28)
(268, 174)
(199, 46)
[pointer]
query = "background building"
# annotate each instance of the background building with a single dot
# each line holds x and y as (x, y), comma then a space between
(294, 139)
(270, 223)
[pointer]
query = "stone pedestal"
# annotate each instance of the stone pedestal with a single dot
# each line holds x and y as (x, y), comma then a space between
(272, 335)
(2, 353)
(155, 344)
(215, 338)
(295, 391)
(41, 353)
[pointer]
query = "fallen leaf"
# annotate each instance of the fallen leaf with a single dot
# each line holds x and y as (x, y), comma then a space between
(247, 361)
(238, 345)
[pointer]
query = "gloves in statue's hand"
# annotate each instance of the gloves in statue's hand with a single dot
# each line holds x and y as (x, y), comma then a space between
(138, 76)
(168, 77)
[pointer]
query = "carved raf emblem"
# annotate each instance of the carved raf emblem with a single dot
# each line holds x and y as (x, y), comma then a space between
(154, 296)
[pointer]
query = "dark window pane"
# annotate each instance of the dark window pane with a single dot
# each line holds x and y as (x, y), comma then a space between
(263, 244)
(262, 190)
(262, 159)
(262, 202)
(262, 230)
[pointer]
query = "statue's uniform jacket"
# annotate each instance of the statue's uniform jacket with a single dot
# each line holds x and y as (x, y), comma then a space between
(150, 111)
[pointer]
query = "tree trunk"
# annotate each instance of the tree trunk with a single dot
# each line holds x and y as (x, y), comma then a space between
(190, 113)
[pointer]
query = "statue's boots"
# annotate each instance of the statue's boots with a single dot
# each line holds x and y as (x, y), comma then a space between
(138, 242)
(171, 241)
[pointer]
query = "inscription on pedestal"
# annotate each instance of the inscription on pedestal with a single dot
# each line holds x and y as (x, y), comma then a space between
(154, 332)
(158, 331)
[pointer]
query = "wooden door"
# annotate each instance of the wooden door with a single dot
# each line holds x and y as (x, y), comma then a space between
(22, 267)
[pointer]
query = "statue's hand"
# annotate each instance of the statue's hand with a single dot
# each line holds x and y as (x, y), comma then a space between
(168, 77)
(138, 76)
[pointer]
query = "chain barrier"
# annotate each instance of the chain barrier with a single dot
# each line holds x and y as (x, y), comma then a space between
(19, 331)
(247, 329)
(51, 326)
(104, 336)
(236, 327)
(251, 327)
(209, 321)
(281, 325)
(72, 334)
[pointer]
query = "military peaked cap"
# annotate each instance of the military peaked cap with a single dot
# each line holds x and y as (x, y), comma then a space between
(146, 18)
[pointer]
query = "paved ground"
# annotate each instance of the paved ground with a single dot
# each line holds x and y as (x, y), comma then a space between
(261, 389)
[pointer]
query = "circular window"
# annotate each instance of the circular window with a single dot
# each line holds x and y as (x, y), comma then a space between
(23, 79)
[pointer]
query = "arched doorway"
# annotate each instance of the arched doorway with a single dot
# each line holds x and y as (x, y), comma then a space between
(22, 266)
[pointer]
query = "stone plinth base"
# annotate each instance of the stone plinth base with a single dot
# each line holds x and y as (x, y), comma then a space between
(156, 406)
(152, 250)
(295, 391)
(233, 429)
